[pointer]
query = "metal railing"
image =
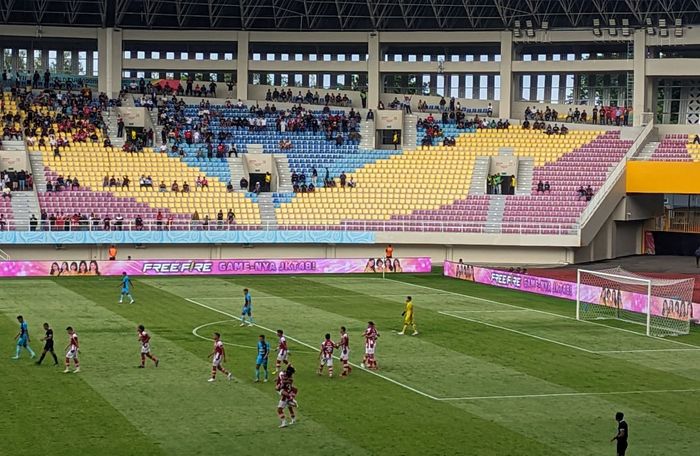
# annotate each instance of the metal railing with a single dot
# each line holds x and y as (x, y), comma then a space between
(679, 220)
(614, 176)
(547, 229)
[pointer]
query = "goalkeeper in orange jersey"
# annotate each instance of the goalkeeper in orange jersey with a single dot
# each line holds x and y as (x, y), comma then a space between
(408, 317)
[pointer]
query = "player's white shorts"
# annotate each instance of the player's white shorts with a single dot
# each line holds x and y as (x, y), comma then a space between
(145, 349)
(345, 355)
(283, 355)
(284, 403)
(72, 353)
(369, 349)
(327, 361)
(216, 361)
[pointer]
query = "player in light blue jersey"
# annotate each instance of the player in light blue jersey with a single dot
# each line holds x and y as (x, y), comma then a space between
(22, 338)
(263, 354)
(126, 287)
(247, 308)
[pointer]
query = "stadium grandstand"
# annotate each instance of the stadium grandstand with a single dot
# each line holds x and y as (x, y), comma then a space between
(395, 134)
(512, 126)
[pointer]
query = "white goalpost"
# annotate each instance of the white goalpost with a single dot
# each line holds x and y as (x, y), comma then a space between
(662, 306)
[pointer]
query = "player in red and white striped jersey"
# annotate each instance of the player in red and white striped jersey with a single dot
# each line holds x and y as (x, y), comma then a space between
(145, 340)
(288, 395)
(72, 350)
(282, 351)
(369, 361)
(344, 346)
(219, 355)
(326, 355)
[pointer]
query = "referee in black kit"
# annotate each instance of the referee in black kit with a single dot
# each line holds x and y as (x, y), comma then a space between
(622, 434)
(48, 345)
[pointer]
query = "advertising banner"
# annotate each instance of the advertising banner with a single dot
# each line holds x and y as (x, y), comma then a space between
(620, 299)
(214, 267)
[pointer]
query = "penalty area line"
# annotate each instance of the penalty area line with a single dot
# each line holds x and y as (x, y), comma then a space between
(504, 328)
(573, 394)
(463, 295)
(376, 374)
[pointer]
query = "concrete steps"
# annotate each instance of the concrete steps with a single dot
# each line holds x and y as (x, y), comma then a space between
(24, 205)
(494, 217)
(268, 217)
(647, 151)
(37, 165)
(237, 169)
(526, 171)
(477, 186)
(284, 174)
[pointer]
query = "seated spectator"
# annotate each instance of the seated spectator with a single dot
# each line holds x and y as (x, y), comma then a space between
(526, 124)
(351, 183)
(540, 187)
(49, 186)
(198, 182)
(696, 140)
(229, 187)
(205, 182)
(311, 188)
(589, 193)
(105, 182)
(162, 188)
(138, 223)
(6, 193)
(581, 192)
(112, 182)
(185, 187)
(285, 144)
(564, 130)
(175, 187)
(244, 183)
(547, 188)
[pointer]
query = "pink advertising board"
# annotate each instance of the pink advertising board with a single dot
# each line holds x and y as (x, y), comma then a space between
(636, 302)
(214, 267)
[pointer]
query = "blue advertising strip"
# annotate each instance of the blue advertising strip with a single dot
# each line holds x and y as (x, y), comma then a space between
(186, 237)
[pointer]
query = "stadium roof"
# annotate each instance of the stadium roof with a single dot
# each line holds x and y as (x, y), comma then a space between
(351, 15)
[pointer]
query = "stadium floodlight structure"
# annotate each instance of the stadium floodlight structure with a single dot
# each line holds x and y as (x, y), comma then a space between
(662, 306)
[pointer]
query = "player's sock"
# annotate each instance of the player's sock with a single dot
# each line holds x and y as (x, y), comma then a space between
(131, 298)
(41, 358)
(17, 350)
(55, 358)
(330, 371)
(31, 352)
(213, 372)
(265, 368)
(257, 374)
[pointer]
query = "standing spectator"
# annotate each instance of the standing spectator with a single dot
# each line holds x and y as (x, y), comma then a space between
(268, 181)
(112, 251)
(120, 127)
(697, 257)
(343, 179)
(33, 223)
(395, 139)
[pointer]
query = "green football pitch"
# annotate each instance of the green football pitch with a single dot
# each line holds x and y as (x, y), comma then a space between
(493, 372)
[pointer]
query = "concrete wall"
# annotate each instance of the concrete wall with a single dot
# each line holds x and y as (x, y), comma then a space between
(13, 160)
(484, 255)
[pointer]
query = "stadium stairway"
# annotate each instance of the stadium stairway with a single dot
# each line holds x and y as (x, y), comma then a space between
(24, 205)
(494, 216)
(237, 171)
(111, 117)
(284, 174)
(479, 176)
(648, 151)
(36, 161)
(526, 172)
(268, 216)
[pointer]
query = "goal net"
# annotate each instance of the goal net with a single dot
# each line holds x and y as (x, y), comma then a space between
(662, 306)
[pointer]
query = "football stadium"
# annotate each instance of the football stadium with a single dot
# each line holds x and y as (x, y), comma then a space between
(350, 227)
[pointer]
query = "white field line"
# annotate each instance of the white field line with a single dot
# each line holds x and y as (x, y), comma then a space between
(257, 298)
(573, 394)
(650, 350)
(504, 328)
(195, 332)
(486, 311)
(422, 393)
(543, 312)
